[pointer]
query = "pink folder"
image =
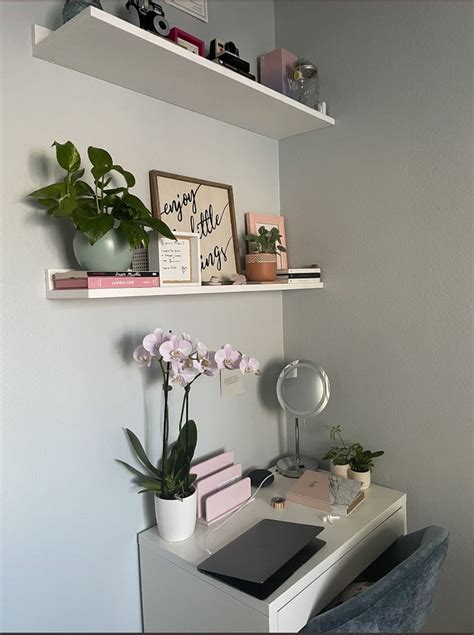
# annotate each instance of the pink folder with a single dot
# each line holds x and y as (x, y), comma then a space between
(214, 483)
(206, 468)
(228, 499)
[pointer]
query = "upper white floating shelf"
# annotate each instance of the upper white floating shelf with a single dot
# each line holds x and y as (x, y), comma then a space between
(101, 45)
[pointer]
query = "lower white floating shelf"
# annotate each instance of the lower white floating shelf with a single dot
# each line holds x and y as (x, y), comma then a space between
(92, 294)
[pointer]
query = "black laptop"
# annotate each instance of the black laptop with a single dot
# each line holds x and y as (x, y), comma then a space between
(262, 558)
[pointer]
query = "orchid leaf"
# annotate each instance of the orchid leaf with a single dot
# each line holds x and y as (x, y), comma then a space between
(141, 454)
(132, 469)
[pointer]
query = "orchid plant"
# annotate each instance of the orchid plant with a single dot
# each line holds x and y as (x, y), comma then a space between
(181, 362)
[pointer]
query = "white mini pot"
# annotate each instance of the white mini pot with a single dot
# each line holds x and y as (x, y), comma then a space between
(176, 519)
(363, 477)
(339, 470)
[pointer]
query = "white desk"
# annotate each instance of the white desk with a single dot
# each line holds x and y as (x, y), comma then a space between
(177, 598)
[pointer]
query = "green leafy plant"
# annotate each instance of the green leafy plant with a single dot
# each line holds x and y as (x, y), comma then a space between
(338, 454)
(96, 210)
(265, 242)
(174, 480)
(361, 460)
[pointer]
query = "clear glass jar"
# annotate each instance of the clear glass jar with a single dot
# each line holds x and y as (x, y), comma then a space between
(305, 83)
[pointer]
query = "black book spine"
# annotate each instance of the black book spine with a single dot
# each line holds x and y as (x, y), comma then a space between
(123, 274)
(300, 276)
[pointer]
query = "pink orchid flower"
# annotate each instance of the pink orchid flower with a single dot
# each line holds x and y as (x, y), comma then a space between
(205, 363)
(182, 374)
(249, 366)
(227, 357)
(142, 356)
(175, 349)
(153, 341)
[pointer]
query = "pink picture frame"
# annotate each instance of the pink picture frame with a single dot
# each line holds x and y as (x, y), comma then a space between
(254, 221)
(187, 41)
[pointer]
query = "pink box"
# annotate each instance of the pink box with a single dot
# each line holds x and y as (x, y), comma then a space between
(206, 468)
(276, 67)
(214, 483)
(228, 499)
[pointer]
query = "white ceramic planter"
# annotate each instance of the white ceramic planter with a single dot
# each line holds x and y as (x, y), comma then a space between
(339, 470)
(176, 519)
(363, 477)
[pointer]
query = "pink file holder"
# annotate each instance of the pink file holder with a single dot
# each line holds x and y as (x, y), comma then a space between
(212, 484)
(219, 504)
(206, 468)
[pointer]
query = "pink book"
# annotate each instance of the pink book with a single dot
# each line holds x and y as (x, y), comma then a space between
(326, 492)
(106, 282)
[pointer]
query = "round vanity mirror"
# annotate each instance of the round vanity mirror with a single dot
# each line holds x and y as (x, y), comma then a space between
(303, 390)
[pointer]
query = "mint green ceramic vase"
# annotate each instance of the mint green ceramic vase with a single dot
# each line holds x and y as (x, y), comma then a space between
(111, 253)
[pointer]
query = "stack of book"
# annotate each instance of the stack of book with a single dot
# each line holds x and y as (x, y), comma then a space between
(302, 275)
(332, 494)
(105, 279)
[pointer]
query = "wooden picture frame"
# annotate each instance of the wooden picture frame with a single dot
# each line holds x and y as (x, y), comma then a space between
(254, 221)
(188, 204)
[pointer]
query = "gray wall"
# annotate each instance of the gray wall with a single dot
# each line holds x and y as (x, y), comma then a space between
(69, 514)
(383, 202)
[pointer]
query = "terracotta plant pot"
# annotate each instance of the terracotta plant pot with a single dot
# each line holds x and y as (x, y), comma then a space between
(260, 267)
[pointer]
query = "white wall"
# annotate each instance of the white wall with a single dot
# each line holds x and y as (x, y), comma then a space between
(70, 517)
(384, 203)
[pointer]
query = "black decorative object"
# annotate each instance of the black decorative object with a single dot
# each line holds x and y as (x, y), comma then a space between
(151, 16)
(227, 54)
(258, 476)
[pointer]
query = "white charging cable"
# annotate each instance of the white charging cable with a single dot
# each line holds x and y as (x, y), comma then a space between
(329, 518)
(234, 513)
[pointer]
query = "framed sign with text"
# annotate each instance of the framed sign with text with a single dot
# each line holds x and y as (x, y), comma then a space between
(206, 208)
(196, 8)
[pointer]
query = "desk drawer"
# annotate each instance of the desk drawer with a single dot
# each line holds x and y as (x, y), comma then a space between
(294, 615)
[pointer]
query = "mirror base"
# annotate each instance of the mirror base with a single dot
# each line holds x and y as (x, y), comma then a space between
(288, 466)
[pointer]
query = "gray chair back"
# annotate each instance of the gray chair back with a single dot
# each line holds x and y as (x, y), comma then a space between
(406, 577)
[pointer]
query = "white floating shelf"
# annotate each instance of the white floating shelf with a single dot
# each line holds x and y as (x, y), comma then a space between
(103, 46)
(91, 294)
